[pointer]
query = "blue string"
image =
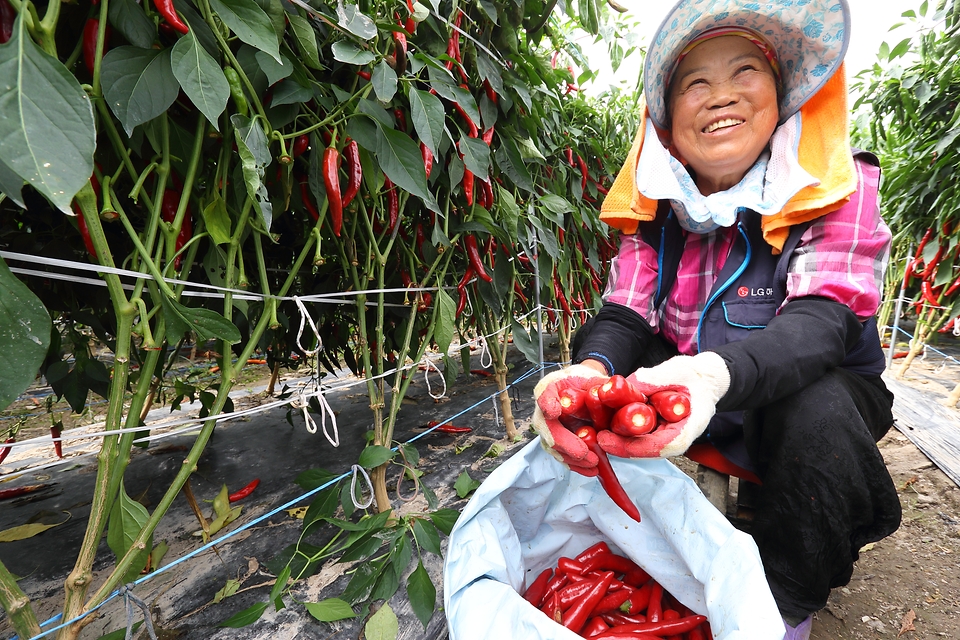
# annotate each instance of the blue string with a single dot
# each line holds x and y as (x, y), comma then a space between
(269, 514)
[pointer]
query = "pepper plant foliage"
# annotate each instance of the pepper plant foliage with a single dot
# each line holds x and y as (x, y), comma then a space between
(910, 117)
(398, 151)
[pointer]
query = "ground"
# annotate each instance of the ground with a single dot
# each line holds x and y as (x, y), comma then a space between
(905, 586)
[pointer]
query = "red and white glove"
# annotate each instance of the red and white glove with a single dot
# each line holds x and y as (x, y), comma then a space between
(703, 377)
(556, 439)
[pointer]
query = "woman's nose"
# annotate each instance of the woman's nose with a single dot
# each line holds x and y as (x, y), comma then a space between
(722, 95)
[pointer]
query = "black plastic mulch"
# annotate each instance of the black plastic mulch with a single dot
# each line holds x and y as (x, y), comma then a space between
(267, 447)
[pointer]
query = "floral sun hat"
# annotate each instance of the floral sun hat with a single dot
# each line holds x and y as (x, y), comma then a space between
(810, 38)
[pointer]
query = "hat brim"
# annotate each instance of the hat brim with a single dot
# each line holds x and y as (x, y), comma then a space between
(810, 40)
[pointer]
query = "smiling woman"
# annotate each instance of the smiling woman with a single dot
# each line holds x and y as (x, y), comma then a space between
(751, 258)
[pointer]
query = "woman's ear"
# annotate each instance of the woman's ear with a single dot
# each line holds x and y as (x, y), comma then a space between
(666, 139)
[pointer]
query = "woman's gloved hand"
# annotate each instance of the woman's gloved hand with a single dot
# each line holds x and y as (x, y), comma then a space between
(556, 439)
(704, 377)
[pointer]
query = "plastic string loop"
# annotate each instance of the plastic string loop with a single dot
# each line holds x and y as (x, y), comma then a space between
(426, 377)
(129, 600)
(358, 470)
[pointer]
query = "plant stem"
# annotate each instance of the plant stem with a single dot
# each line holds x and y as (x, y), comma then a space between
(17, 605)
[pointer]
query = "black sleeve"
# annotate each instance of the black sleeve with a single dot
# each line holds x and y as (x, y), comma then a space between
(621, 338)
(808, 337)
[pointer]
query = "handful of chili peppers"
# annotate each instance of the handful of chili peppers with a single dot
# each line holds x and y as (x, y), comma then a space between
(617, 405)
(603, 595)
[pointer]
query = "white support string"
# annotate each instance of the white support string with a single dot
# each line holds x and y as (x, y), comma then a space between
(426, 378)
(484, 351)
(353, 486)
(306, 317)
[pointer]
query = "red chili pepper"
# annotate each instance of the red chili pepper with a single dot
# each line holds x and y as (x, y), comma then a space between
(393, 204)
(331, 181)
(5, 451)
(351, 153)
(246, 491)
(537, 588)
(307, 202)
(568, 152)
(639, 600)
(576, 616)
(575, 591)
(364, 74)
(610, 562)
(301, 144)
(655, 606)
(519, 292)
(637, 578)
(85, 232)
(634, 419)
(672, 406)
(488, 136)
(167, 11)
(168, 211)
(7, 16)
(573, 403)
(569, 566)
(558, 293)
(483, 373)
(612, 601)
(584, 174)
(400, 41)
(15, 492)
(661, 628)
(551, 607)
(473, 254)
(607, 476)
(491, 94)
(473, 131)
(594, 626)
(931, 268)
(617, 392)
(427, 156)
(918, 255)
(926, 289)
(90, 32)
(592, 552)
(55, 432)
(448, 428)
(401, 119)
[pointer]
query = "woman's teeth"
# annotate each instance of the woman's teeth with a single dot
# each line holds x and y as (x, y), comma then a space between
(729, 122)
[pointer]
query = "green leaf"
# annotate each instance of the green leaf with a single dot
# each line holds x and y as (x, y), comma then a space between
(246, 19)
(254, 153)
(527, 344)
(902, 47)
(198, 26)
(351, 19)
(444, 519)
(387, 585)
(465, 484)
(24, 335)
(205, 323)
(374, 456)
(278, 588)
(11, 185)
(427, 114)
(306, 40)
(228, 590)
(330, 610)
(503, 274)
(128, 18)
(383, 625)
(127, 518)
(201, 77)
(349, 53)
(476, 156)
(399, 157)
(290, 92)
(24, 531)
(363, 581)
(468, 103)
(426, 536)
(446, 321)
(313, 478)
(216, 220)
(555, 204)
(400, 555)
(138, 84)
(512, 164)
(384, 81)
(47, 126)
(422, 593)
(247, 616)
(274, 70)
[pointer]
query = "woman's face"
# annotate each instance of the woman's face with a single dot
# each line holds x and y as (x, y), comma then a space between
(723, 107)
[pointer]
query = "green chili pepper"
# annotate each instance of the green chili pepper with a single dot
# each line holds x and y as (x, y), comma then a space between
(236, 90)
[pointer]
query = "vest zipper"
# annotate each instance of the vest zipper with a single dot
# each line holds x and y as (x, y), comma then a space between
(726, 285)
(663, 236)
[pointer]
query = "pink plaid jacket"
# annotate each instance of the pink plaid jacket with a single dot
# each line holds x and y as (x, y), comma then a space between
(841, 256)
